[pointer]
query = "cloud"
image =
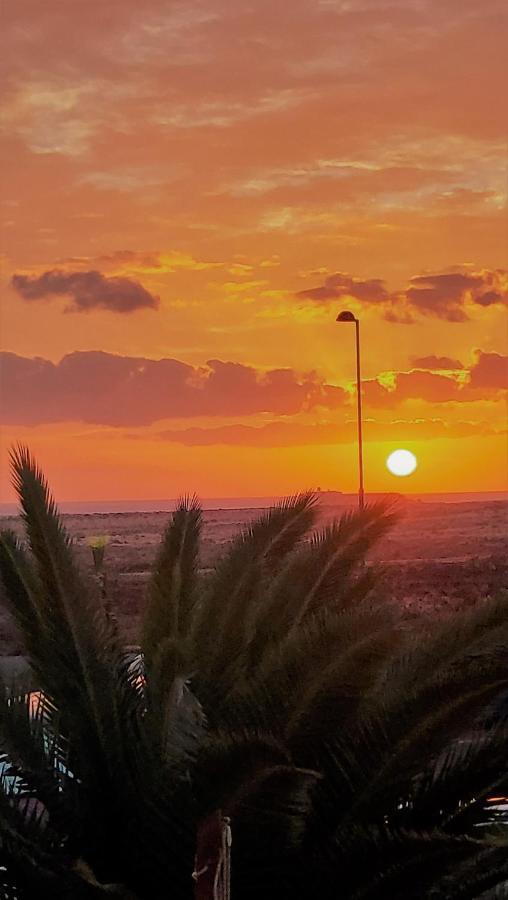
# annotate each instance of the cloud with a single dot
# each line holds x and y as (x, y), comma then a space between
(489, 371)
(132, 178)
(445, 295)
(415, 385)
(436, 362)
(101, 388)
(490, 298)
(148, 262)
(486, 379)
(338, 286)
(294, 434)
(49, 117)
(86, 290)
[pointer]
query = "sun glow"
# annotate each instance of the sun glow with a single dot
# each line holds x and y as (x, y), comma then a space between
(401, 463)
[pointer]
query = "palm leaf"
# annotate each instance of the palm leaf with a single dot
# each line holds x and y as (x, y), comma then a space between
(236, 584)
(172, 588)
(324, 573)
(75, 654)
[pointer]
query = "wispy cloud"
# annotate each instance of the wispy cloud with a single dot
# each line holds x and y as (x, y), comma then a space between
(294, 434)
(142, 261)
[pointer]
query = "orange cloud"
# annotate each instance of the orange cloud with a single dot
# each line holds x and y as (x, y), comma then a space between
(436, 362)
(415, 385)
(490, 371)
(156, 261)
(486, 378)
(339, 286)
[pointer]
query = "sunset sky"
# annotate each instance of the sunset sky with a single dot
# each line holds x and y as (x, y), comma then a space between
(192, 191)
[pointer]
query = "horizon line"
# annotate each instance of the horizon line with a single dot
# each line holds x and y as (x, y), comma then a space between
(7, 507)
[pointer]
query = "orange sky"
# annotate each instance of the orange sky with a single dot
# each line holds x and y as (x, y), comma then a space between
(192, 191)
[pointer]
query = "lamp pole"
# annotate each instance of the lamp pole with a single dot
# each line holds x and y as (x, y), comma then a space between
(347, 316)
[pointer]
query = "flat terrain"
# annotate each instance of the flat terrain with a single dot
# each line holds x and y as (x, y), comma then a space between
(440, 555)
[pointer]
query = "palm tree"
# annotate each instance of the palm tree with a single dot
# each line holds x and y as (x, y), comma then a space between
(280, 695)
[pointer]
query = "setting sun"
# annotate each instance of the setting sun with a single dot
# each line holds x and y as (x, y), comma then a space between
(401, 463)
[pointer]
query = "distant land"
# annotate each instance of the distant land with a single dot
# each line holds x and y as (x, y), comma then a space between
(329, 498)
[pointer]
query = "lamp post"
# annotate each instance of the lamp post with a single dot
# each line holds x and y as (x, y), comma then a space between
(347, 316)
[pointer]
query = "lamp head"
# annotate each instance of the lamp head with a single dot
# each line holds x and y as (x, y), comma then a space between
(346, 316)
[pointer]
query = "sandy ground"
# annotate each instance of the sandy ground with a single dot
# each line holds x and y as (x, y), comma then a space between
(438, 557)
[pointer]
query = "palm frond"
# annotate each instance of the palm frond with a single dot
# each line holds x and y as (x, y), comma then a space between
(235, 586)
(382, 862)
(21, 589)
(75, 653)
(394, 745)
(35, 756)
(326, 572)
(349, 752)
(334, 555)
(172, 588)
(336, 694)
(487, 870)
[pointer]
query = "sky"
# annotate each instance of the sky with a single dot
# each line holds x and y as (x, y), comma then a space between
(192, 191)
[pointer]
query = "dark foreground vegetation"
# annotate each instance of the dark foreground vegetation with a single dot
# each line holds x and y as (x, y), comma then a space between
(436, 559)
(278, 694)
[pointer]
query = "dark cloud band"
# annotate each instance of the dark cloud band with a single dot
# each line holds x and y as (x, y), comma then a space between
(101, 388)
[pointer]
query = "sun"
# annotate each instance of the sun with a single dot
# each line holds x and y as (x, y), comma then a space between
(401, 462)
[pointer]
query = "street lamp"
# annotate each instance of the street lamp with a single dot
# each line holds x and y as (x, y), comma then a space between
(347, 316)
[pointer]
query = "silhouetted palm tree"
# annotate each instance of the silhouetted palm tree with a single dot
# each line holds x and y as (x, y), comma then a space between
(278, 692)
